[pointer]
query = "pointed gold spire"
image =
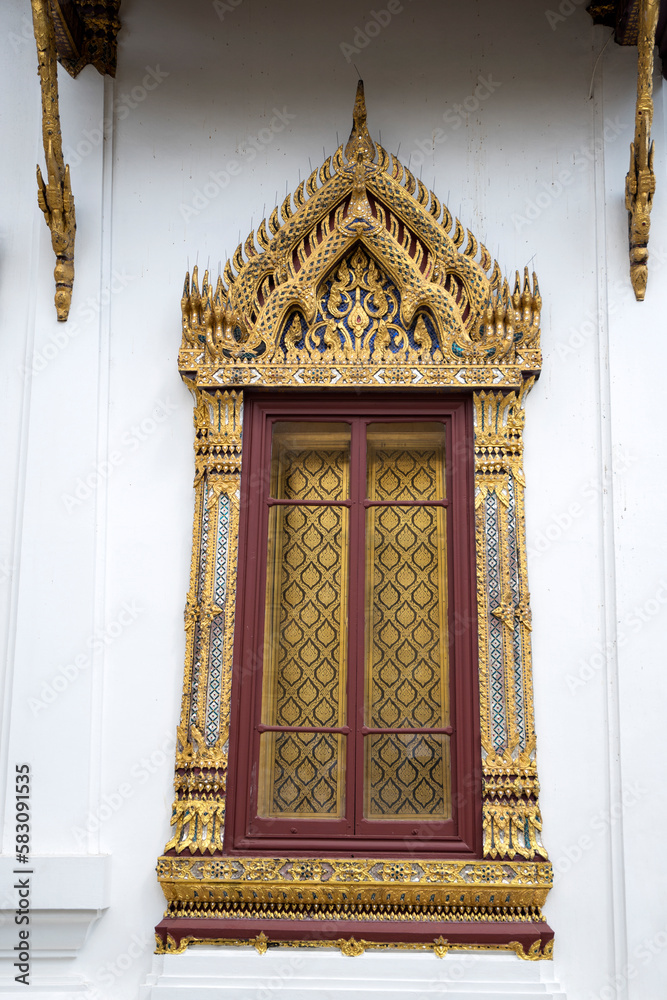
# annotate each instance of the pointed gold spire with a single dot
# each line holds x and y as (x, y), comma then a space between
(360, 140)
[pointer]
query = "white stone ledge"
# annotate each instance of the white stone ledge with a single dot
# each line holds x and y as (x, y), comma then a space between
(67, 895)
(210, 973)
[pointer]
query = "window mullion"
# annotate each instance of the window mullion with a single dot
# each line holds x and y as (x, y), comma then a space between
(357, 623)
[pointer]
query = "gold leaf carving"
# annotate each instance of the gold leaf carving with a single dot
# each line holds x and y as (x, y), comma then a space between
(351, 947)
(261, 943)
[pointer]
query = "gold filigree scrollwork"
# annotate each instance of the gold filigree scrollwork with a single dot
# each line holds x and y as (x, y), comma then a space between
(260, 943)
(343, 889)
(55, 196)
(640, 179)
(351, 947)
(199, 826)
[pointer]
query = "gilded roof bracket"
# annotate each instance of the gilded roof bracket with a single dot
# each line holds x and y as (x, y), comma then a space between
(54, 197)
(640, 180)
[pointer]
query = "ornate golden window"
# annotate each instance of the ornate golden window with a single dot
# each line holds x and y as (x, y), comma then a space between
(365, 284)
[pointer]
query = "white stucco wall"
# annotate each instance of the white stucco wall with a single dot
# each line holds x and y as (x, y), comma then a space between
(102, 394)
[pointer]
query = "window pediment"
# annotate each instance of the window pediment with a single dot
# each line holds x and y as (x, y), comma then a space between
(486, 333)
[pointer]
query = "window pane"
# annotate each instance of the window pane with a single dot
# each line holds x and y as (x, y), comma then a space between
(301, 774)
(305, 669)
(306, 617)
(406, 615)
(310, 461)
(406, 776)
(406, 461)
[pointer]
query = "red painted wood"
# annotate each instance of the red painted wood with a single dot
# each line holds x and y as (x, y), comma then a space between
(459, 837)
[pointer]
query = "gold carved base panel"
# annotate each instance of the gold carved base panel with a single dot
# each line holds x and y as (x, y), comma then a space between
(343, 882)
(378, 903)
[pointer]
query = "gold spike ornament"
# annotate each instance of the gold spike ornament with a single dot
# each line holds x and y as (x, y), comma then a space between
(360, 140)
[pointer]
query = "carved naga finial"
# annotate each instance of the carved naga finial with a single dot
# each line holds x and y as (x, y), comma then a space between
(360, 141)
(209, 319)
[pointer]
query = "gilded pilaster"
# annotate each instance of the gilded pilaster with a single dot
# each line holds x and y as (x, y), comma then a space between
(511, 816)
(203, 732)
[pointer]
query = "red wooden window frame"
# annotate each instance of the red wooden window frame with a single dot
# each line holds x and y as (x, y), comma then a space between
(459, 836)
